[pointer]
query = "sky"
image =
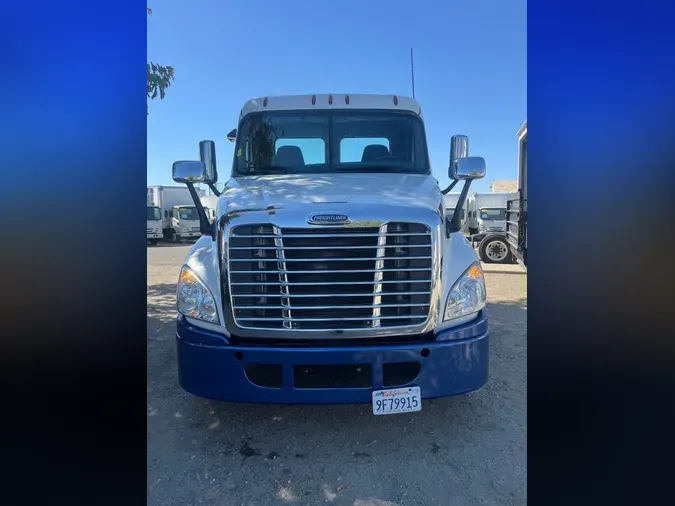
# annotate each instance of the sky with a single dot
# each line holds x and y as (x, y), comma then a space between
(470, 70)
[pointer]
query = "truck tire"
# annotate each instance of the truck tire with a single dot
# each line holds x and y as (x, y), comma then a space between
(176, 238)
(154, 242)
(494, 249)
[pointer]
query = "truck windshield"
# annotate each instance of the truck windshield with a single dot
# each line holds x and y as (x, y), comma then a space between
(493, 214)
(330, 141)
(188, 213)
(154, 214)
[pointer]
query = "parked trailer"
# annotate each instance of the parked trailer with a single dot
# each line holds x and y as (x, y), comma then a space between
(323, 280)
(516, 208)
(179, 215)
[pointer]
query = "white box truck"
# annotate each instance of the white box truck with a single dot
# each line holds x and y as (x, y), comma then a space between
(210, 203)
(486, 224)
(486, 212)
(154, 226)
(180, 219)
(450, 202)
(331, 273)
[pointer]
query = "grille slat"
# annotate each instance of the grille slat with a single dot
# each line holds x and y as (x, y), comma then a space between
(363, 278)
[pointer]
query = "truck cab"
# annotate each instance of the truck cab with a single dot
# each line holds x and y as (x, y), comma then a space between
(332, 272)
(487, 212)
(154, 225)
(183, 222)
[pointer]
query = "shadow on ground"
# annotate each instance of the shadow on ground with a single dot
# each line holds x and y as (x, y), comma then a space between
(460, 450)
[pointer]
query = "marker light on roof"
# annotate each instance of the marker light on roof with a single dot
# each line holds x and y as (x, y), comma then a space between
(313, 99)
(395, 100)
(330, 99)
(265, 102)
(347, 99)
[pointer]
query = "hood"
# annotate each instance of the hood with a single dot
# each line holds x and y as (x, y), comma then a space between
(287, 191)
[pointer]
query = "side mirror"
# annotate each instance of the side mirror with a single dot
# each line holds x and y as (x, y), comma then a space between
(232, 136)
(207, 154)
(471, 167)
(190, 172)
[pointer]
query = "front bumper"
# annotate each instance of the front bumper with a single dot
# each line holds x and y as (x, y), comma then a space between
(155, 236)
(209, 367)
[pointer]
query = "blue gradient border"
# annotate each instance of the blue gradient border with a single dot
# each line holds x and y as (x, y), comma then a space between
(73, 160)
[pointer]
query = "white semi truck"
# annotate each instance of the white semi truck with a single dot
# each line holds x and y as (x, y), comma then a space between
(154, 226)
(180, 219)
(331, 273)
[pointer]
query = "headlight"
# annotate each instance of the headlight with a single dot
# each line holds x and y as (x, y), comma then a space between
(194, 299)
(467, 295)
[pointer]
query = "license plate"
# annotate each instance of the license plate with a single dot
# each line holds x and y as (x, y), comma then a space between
(397, 400)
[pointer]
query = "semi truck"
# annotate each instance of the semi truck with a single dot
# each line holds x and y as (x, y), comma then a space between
(154, 218)
(451, 200)
(516, 208)
(332, 272)
(180, 219)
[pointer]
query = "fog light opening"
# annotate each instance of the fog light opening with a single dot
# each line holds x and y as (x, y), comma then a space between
(425, 352)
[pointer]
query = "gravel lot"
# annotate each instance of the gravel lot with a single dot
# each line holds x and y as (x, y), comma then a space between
(463, 450)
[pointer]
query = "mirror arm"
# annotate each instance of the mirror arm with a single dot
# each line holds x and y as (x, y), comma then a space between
(205, 226)
(452, 185)
(214, 189)
(454, 225)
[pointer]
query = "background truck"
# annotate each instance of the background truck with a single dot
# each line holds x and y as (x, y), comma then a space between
(154, 226)
(210, 203)
(486, 212)
(516, 209)
(331, 273)
(451, 200)
(486, 224)
(179, 215)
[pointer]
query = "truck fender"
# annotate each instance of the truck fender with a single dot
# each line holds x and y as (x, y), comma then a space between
(457, 256)
(202, 260)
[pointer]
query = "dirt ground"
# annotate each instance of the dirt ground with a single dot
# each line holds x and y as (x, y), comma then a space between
(464, 450)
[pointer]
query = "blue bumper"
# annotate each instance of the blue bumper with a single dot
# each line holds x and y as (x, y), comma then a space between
(208, 366)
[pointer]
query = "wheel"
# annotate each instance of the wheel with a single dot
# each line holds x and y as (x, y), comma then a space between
(494, 249)
(175, 237)
(154, 242)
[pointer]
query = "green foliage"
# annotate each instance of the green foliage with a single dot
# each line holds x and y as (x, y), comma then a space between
(160, 77)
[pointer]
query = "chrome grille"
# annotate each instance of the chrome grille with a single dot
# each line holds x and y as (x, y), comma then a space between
(330, 278)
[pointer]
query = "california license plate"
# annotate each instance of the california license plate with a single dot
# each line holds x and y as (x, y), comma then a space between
(397, 400)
